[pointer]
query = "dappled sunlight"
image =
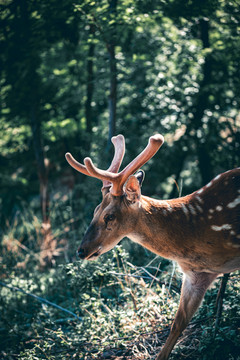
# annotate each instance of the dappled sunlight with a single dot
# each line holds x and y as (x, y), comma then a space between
(73, 75)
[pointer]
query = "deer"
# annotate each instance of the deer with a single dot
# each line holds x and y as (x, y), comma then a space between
(200, 231)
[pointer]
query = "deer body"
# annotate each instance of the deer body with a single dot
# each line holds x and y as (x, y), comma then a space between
(200, 231)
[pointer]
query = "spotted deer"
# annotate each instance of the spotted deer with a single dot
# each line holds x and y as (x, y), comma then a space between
(200, 231)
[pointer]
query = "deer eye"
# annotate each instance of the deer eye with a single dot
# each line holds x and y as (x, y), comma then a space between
(109, 217)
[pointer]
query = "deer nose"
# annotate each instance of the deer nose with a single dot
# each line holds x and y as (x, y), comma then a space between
(80, 253)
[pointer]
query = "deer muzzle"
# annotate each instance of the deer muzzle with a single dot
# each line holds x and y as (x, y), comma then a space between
(92, 256)
(90, 248)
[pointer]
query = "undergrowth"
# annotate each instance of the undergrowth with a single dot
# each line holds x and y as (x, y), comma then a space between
(119, 307)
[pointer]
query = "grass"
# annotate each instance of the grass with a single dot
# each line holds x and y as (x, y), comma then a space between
(119, 307)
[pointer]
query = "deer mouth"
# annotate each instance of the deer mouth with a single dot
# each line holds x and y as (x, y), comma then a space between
(94, 255)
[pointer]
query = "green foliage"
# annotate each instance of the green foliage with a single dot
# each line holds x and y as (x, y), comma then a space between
(172, 77)
(177, 71)
(112, 297)
(123, 309)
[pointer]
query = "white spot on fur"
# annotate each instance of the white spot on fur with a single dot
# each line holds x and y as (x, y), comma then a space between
(199, 208)
(217, 177)
(200, 191)
(192, 210)
(211, 211)
(209, 184)
(219, 208)
(164, 212)
(209, 217)
(234, 203)
(185, 210)
(199, 199)
(236, 246)
(222, 227)
(232, 232)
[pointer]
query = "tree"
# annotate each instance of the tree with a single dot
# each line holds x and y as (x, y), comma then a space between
(163, 67)
(24, 37)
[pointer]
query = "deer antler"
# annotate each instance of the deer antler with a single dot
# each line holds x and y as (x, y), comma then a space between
(76, 165)
(118, 179)
(119, 147)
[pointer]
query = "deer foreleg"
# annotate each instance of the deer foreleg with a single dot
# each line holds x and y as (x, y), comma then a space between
(193, 290)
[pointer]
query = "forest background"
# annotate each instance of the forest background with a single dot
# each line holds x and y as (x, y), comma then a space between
(73, 74)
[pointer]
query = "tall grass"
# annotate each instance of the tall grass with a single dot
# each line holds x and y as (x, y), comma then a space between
(119, 307)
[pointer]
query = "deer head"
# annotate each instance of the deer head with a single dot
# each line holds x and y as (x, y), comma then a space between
(116, 216)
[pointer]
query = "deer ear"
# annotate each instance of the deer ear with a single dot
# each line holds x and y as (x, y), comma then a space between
(132, 189)
(140, 176)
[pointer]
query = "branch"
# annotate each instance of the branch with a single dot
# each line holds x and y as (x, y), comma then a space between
(219, 301)
(38, 298)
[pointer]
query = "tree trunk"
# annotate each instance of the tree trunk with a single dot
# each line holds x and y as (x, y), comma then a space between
(88, 105)
(178, 169)
(113, 76)
(113, 92)
(204, 159)
(41, 164)
(48, 245)
(32, 82)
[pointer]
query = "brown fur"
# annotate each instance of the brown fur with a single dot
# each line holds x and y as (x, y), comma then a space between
(199, 231)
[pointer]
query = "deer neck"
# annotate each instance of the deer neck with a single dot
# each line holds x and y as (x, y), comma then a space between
(160, 225)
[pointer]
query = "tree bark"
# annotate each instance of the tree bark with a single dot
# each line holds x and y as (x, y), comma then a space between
(49, 244)
(88, 104)
(113, 92)
(204, 159)
(41, 166)
(33, 89)
(113, 75)
(219, 301)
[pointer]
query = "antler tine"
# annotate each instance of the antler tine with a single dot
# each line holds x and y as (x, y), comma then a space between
(118, 180)
(154, 143)
(76, 165)
(98, 173)
(119, 147)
